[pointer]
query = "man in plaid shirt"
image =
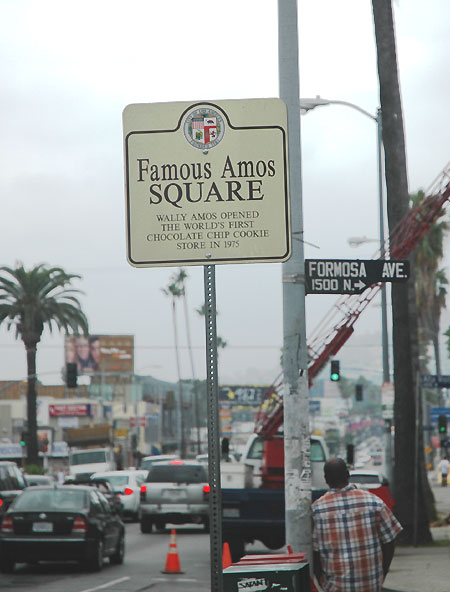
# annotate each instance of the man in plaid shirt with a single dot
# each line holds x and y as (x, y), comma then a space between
(353, 536)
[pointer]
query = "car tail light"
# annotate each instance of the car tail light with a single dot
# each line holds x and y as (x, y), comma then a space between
(176, 462)
(128, 491)
(206, 488)
(79, 525)
(143, 492)
(1, 502)
(7, 524)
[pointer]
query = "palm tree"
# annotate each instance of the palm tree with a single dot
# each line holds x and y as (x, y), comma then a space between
(431, 283)
(29, 302)
(404, 324)
(174, 291)
(180, 280)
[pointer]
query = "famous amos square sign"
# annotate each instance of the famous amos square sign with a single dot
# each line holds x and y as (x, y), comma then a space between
(206, 182)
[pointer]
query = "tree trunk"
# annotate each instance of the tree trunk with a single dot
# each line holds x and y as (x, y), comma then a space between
(405, 340)
(182, 443)
(32, 447)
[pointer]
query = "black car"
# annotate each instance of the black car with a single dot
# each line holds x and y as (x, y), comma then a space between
(11, 484)
(61, 523)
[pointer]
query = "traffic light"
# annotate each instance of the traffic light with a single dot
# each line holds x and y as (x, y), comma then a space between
(24, 437)
(71, 375)
(442, 425)
(359, 392)
(335, 372)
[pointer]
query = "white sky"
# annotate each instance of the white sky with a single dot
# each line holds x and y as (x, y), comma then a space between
(67, 70)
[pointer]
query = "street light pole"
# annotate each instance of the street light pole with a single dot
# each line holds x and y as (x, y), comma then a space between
(309, 104)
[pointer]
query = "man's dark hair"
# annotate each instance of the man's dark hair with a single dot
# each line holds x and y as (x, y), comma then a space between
(336, 473)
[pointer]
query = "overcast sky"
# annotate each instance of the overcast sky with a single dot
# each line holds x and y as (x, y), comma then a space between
(68, 69)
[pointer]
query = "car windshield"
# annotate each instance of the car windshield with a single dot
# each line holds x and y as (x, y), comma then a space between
(91, 456)
(365, 479)
(147, 463)
(117, 480)
(317, 453)
(10, 478)
(177, 474)
(52, 499)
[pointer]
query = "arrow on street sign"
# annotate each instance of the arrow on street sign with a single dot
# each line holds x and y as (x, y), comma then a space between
(351, 276)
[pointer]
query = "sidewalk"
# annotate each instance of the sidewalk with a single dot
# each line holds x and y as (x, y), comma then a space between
(421, 569)
(425, 568)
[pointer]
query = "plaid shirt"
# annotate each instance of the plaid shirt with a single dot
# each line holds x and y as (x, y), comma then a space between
(350, 525)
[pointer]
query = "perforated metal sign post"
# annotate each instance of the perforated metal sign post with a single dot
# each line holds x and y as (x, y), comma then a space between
(206, 182)
(213, 429)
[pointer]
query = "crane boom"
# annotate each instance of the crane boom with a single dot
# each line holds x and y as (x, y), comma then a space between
(328, 338)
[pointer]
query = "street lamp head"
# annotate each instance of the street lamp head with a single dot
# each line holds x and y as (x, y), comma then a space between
(356, 241)
(309, 104)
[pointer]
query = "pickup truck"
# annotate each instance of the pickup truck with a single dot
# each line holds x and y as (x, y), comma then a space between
(255, 514)
(177, 492)
(84, 462)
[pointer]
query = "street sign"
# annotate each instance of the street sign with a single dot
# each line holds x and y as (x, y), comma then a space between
(435, 380)
(207, 183)
(435, 412)
(136, 421)
(314, 406)
(351, 276)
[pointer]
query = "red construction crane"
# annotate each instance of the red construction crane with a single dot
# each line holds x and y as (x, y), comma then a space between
(330, 336)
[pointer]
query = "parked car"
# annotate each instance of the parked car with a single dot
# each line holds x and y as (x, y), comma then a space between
(177, 492)
(32, 480)
(374, 482)
(61, 523)
(127, 486)
(12, 483)
(147, 461)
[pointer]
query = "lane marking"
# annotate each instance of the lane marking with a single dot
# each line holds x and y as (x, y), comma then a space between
(102, 586)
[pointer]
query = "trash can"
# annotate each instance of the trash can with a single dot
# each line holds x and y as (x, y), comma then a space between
(282, 573)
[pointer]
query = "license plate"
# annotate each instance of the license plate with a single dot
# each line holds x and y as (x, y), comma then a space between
(42, 527)
(231, 512)
(174, 494)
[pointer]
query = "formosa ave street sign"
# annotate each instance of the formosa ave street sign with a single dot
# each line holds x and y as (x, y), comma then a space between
(351, 276)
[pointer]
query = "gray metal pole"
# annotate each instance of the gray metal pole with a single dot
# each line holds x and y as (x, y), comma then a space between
(295, 360)
(215, 496)
(384, 327)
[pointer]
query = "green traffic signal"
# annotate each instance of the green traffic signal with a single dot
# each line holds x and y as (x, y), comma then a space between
(24, 439)
(442, 424)
(335, 374)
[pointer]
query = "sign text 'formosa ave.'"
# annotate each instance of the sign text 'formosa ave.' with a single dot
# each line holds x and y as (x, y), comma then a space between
(350, 276)
(206, 182)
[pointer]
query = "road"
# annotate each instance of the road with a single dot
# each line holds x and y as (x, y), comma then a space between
(144, 561)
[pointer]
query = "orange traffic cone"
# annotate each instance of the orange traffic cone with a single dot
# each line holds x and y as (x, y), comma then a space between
(226, 556)
(173, 561)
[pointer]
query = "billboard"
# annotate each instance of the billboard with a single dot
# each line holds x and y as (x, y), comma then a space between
(100, 353)
(242, 395)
